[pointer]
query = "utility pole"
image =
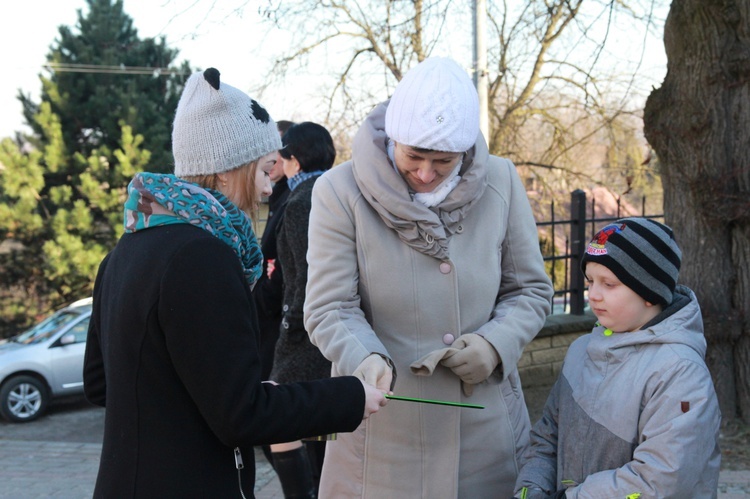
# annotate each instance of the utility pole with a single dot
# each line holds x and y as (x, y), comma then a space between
(481, 78)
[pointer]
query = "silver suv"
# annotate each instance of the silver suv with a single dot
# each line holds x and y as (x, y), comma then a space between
(44, 362)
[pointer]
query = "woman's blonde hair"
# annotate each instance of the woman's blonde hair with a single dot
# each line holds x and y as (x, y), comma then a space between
(239, 188)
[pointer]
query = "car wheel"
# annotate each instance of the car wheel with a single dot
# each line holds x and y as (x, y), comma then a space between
(23, 399)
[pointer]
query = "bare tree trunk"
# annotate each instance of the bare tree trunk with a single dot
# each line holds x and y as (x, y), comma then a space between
(699, 124)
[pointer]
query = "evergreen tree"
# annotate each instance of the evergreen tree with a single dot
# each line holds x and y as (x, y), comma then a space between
(58, 234)
(62, 191)
(100, 75)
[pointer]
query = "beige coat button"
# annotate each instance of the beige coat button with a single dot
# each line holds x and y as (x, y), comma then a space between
(445, 268)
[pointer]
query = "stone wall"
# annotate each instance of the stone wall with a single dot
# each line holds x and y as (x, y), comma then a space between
(542, 359)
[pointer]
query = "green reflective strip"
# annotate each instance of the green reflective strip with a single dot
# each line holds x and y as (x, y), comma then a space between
(634, 495)
(524, 491)
(568, 482)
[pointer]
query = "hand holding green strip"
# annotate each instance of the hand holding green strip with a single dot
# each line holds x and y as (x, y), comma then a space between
(437, 402)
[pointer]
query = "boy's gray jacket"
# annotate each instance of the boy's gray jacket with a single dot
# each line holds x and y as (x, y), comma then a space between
(631, 413)
(388, 275)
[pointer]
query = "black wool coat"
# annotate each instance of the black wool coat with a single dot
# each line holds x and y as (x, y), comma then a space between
(172, 354)
(296, 359)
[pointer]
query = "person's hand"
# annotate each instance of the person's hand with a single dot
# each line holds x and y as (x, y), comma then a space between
(475, 359)
(374, 399)
(375, 371)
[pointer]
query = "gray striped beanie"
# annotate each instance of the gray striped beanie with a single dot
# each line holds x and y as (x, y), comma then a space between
(218, 128)
(642, 253)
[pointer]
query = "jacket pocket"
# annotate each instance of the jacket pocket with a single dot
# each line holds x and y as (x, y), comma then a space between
(511, 387)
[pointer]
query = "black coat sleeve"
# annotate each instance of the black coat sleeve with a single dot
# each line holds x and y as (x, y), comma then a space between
(211, 334)
(94, 376)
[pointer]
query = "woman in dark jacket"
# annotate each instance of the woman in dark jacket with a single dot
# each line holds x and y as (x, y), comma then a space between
(268, 292)
(172, 348)
(307, 152)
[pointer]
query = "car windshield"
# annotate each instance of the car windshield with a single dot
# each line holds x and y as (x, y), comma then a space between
(47, 327)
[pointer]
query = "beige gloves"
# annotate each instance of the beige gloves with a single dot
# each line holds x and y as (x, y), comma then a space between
(376, 371)
(474, 360)
(470, 357)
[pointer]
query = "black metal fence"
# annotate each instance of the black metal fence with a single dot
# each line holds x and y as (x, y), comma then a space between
(570, 298)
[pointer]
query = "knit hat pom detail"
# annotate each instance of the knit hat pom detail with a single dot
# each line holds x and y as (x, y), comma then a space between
(212, 77)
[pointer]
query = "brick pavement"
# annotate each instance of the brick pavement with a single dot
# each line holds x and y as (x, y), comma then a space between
(47, 469)
(267, 484)
(32, 469)
(58, 456)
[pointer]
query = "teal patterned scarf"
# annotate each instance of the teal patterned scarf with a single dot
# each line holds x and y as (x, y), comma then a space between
(156, 199)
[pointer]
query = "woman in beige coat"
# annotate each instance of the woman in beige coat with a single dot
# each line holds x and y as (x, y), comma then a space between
(424, 263)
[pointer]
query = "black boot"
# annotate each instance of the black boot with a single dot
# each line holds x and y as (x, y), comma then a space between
(295, 473)
(267, 453)
(316, 451)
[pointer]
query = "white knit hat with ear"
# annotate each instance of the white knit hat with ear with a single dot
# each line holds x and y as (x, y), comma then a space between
(218, 128)
(435, 106)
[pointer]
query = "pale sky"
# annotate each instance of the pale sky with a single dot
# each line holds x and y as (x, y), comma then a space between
(222, 39)
(207, 33)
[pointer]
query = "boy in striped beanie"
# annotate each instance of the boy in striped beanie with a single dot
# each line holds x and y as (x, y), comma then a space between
(633, 413)
(643, 255)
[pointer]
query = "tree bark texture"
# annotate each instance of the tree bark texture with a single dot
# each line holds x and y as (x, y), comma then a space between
(698, 123)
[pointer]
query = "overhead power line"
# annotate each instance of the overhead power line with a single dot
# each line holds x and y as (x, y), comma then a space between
(103, 69)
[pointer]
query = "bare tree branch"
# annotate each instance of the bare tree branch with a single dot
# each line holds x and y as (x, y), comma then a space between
(556, 99)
